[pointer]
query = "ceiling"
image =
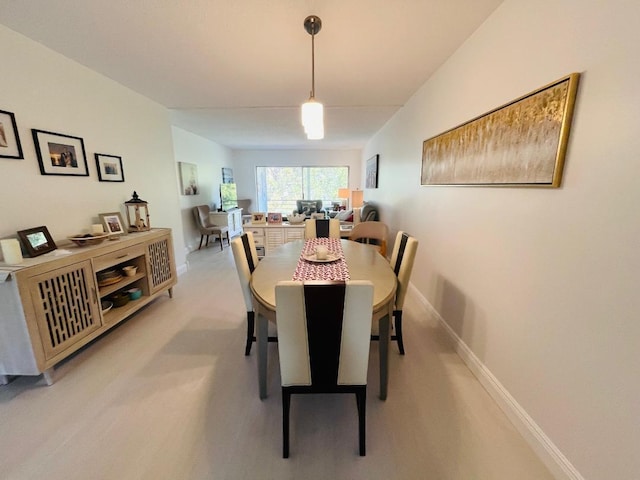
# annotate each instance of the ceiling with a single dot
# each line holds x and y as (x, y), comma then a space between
(237, 71)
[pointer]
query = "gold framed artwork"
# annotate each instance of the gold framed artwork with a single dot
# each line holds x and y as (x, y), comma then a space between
(522, 143)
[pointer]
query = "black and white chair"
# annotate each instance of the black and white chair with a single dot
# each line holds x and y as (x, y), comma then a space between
(246, 258)
(324, 333)
(319, 228)
(402, 259)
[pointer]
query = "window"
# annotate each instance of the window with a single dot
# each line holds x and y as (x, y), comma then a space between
(278, 188)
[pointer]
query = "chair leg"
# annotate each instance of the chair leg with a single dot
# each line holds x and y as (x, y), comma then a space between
(201, 238)
(207, 242)
(221, 242)
(286, 401)
(398, 325)
(361, 400)
(251, 322)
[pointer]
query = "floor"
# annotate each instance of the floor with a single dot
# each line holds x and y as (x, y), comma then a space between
(169, 395)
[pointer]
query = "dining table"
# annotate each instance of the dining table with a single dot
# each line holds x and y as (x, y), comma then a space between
(347, 260)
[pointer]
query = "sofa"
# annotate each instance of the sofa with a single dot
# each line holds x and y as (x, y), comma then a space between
(367, 213)
(307, 207)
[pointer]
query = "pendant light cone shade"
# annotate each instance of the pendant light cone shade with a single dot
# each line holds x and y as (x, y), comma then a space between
(313, 111)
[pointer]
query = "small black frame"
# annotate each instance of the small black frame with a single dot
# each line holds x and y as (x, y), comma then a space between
(37, 241)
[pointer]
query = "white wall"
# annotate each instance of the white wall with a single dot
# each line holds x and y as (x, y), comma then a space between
(246, 161)
(210, 158)
(49, 92)
(540, 284)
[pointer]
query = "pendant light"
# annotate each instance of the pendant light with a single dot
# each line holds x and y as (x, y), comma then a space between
(312, 111)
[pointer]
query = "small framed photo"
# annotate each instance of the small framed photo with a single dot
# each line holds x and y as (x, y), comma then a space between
(60, 154)
(258, 217)
(109, 168)
(9, 139)
(37, 241)
(275, 218)
(318, 216)
(113, 224)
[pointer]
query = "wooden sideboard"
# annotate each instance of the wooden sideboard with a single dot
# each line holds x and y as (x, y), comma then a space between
(232, 218)
(50, 306)
(269, 236)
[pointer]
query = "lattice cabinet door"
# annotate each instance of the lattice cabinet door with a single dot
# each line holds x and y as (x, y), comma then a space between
(161, 265)
(65, 305)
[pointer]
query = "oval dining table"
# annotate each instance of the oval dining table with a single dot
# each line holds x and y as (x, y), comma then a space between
(363, 263)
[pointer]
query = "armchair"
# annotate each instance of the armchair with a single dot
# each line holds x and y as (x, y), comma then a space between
(307, 207)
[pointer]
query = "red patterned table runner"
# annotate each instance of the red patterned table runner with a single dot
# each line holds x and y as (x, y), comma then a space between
(307, 270)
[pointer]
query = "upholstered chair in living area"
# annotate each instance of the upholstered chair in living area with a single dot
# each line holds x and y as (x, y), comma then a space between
(402, 258)
(201, 216)
(307, 207)
(318, 228)
(324, 336)
(371, 232)
(246, 258)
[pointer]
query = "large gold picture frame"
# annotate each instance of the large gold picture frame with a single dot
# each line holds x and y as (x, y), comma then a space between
(522, 143)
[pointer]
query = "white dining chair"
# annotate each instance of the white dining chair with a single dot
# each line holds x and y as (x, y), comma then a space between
(323, 332)
(319, 228)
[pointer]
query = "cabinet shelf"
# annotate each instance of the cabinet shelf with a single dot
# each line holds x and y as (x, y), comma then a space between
(124, 282)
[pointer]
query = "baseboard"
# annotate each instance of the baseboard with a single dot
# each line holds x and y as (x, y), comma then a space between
(550, 455)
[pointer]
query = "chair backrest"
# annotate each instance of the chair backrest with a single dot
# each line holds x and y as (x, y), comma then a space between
(324, 332)
(201, 215)
(377, 231)
(318, 228)
(307, 207)
(402, 258)
(369, 213)
(246, 258)
(244, 205)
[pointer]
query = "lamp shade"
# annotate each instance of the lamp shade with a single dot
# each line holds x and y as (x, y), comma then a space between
(357, 198)
(343, 193)
(313, 119)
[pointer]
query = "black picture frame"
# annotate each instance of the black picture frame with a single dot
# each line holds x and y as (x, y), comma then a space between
(37, 241)
(10, 146)
(372, 172)
(109, 168)
(60, 154)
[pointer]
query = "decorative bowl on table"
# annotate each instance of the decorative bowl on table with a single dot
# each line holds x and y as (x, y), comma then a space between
(296, 218)
(87, 239)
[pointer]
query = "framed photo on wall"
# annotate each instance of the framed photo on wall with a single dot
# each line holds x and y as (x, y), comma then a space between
(9, 139)
(189, 178)
(372, 172)
(60, 154)
(109, 168)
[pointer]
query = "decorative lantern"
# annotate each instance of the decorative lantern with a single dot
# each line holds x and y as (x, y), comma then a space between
(138, 219)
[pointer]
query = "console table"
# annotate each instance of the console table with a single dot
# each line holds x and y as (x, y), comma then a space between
(269, 236)
(232, 218)
(50, 306)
